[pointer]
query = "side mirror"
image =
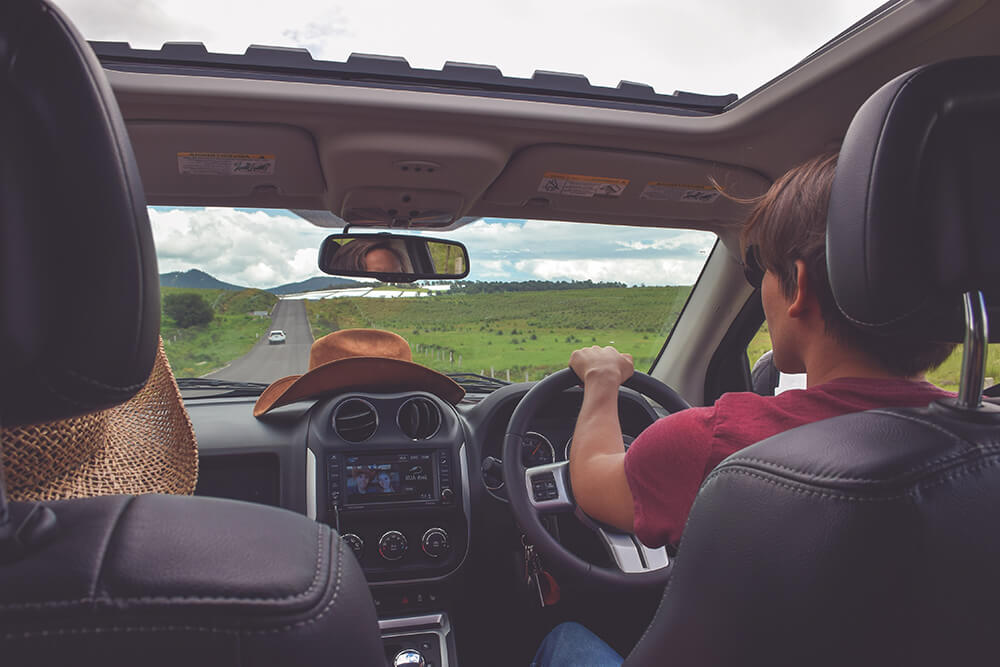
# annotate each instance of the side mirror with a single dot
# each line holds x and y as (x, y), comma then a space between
(393, 257)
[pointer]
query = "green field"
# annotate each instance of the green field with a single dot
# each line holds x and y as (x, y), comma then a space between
(198, 350)
(528, 334)
(945, 376)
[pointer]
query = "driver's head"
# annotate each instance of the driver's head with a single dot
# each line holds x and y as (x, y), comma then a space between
(788, 223)
(367, 255)
(383, 259)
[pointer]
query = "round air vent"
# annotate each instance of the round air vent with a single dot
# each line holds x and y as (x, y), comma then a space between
(355, 420)
(419, 418)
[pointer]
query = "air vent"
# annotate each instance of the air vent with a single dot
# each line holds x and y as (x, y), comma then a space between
(419, 418)
(355, 420)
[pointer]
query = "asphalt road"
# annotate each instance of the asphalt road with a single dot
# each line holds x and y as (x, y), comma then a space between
(266, 363)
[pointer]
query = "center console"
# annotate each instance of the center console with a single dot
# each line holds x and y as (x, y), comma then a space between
(389, 473)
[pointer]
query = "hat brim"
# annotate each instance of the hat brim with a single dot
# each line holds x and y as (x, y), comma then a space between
(359, 374)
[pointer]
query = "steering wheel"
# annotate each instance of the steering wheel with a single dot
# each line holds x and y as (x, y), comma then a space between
(545, 489)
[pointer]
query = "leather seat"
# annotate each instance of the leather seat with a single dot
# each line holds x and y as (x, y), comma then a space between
(871, 538)
(123, 580)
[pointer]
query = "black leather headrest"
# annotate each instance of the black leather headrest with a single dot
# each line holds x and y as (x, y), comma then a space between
(915, 209)
(80, 312)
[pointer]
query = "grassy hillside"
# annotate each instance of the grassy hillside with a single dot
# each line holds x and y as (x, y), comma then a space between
(231, 333)
(945, 376)
(520, 332)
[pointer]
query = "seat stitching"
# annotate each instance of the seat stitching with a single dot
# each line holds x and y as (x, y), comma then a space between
(181, 598)
(193, 628)
(798, 488)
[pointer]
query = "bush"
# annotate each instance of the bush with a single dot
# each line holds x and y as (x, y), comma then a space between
(187, 310)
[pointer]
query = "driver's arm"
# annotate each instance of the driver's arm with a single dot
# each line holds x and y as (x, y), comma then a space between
(597, 458)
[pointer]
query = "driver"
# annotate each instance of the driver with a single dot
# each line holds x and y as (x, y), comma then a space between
(649, 489)
(367, 255)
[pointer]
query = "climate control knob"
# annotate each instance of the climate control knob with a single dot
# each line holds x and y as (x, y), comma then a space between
(435, 542)
(392, 545)
(356, 543)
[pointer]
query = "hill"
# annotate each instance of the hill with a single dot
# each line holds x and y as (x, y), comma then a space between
(196, 279)
(193, 278)
(313, 284)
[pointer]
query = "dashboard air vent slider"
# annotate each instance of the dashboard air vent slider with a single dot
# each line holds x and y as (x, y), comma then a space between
(419, 418)
(355, 420)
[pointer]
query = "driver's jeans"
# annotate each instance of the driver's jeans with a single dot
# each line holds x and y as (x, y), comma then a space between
(572, 644)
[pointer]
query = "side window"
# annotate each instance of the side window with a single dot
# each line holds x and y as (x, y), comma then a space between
(766, 379)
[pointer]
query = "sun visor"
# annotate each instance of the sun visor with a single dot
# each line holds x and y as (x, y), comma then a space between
(226, 164)
(573, 183)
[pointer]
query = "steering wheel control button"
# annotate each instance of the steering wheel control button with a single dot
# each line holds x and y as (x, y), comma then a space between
(356, 543)
(409, 657)
(435, 542)
(392, 545)
(543, 487)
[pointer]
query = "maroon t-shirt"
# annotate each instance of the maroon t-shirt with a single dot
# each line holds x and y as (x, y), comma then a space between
(668, 461)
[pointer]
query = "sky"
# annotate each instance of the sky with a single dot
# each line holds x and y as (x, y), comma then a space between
(710, 46)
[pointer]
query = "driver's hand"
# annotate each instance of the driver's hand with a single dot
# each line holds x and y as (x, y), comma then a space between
(601, 364)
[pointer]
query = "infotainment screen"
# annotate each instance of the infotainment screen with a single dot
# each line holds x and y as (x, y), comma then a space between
(375, 478)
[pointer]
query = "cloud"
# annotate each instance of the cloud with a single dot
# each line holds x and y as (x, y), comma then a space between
(251, 248)
(632, 272)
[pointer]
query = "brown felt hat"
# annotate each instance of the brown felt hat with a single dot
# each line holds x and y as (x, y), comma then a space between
(145, 445)
(360, 359)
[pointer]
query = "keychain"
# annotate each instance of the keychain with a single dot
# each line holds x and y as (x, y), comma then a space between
(536, 576)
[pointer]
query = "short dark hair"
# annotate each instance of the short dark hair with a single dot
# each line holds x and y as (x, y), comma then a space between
(788, 223)
(351, 256)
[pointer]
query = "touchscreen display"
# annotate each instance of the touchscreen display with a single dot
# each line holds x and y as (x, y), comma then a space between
(389, 477)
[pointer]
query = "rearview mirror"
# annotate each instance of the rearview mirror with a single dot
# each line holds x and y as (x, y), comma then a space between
(393, 257)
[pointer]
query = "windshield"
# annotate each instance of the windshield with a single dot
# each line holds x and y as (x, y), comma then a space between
(231, 279)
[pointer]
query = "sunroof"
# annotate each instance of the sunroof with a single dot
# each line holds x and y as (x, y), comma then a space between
(714, 48)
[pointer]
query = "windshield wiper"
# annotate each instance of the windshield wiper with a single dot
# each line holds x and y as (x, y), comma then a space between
(476, 383)
(221, 387)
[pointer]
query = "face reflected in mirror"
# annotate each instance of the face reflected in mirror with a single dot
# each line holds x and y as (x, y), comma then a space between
(375, 255)
(382, 259)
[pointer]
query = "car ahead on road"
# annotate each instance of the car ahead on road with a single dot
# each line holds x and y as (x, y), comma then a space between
(276, 337)
(592, 215)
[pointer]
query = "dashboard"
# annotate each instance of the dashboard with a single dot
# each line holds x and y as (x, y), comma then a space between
(410, 481)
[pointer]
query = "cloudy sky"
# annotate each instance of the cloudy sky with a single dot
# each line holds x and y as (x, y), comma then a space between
(710, 46)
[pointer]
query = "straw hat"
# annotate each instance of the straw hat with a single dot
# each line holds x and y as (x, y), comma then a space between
(360, 359)
(145, 445)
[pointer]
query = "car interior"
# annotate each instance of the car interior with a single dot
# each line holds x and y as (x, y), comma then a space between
(866, 538)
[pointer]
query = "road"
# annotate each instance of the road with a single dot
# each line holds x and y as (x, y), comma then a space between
(266, 363)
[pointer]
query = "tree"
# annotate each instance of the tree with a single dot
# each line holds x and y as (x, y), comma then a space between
(187, 309)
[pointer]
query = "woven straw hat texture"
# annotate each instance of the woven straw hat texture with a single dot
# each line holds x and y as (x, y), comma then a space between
(145, 445)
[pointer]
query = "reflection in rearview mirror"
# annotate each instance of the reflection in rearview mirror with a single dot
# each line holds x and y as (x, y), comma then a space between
(393, 257)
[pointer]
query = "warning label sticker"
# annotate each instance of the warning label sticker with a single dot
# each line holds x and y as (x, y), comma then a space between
(693, 194)
(575, 185)
(225, 164)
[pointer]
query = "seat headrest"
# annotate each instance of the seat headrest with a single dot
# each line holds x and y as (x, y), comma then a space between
(914, 216)
(79, 311)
